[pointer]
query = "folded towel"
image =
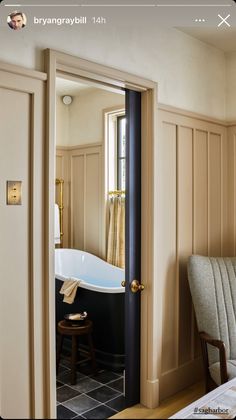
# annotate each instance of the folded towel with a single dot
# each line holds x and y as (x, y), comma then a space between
(69, 289)
(57, 236)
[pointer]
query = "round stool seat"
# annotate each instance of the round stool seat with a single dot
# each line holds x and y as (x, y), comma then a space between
(66, 328)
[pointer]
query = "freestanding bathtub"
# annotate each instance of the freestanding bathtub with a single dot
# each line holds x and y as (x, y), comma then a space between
(101, 295)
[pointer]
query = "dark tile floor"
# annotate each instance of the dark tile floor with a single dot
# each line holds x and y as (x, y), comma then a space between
(97, 396)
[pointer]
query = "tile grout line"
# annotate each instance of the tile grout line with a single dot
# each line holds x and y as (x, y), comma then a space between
(71, 386)
(115, 389)
(98, 402)
(76, 414)
(92, 378)
(98, 405)
(101, 404)
(118, 393)
(79, 395)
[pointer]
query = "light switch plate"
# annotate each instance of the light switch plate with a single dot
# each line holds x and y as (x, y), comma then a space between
(14, 193)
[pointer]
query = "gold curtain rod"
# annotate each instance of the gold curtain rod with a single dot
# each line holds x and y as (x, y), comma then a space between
(116, 192)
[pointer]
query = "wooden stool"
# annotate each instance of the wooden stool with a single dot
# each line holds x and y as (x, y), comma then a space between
(66, 328)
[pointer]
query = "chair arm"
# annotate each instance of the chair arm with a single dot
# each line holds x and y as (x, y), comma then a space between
(207, 339)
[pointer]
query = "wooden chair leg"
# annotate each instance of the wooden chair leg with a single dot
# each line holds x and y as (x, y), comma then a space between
(74, 359)
(59, 350)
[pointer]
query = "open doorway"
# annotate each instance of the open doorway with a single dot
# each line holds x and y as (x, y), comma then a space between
(59, 64)
(90, 244)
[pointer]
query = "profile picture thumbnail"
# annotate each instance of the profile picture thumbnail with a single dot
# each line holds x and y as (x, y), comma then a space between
(16, 20)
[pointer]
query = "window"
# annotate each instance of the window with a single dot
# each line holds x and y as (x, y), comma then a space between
(115, 123)
(121, 136)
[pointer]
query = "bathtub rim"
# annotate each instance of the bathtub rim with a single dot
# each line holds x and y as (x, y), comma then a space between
(74, 250)
(92, 287)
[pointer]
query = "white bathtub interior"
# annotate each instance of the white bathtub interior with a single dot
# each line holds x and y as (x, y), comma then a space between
(94, 273)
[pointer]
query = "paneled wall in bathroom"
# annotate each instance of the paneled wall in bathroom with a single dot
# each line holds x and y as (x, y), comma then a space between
(81, 168)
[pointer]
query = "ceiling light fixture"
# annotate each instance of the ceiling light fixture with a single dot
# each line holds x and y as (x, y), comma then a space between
(67, 100)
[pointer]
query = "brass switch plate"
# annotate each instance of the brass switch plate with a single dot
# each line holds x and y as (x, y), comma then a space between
(14, 193)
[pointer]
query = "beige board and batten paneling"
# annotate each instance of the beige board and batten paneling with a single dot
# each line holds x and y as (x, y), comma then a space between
(232, 188)
(193, 218)
(87, 200)
(82, 169)
(22, 311)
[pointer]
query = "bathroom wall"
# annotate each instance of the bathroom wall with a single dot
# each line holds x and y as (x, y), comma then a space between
(82, 122)
(82, 169)
(80, 162)
(62, 123)
(87, 116)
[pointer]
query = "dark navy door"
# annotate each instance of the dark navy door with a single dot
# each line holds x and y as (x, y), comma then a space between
(132, 247)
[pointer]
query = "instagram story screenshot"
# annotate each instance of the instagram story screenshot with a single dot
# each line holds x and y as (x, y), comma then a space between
(118, 209)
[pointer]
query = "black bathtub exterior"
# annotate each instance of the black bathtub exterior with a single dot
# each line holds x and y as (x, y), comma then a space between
(106, 310)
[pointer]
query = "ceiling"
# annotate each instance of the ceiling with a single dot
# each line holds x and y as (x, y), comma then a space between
(65, 86)
(222, 38)
(69, 87)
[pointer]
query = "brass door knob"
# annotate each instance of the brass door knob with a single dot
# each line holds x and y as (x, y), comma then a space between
(123, 283)
(135, 286)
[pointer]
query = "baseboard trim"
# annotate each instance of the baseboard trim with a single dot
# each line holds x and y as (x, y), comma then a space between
(150, 393)
(178, 379)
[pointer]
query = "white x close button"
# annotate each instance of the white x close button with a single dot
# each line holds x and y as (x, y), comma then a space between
(224, 20)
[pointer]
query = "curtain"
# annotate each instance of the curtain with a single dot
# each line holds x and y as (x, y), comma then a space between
(116, 232)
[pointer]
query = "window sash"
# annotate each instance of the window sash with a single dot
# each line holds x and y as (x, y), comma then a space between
(121, 158)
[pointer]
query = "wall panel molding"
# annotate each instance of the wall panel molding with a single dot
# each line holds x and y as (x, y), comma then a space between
(84, 220)
(185, 113)
(232, 188)
(181, 377)
(194, 217)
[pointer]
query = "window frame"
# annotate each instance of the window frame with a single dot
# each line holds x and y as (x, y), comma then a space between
(119, 156)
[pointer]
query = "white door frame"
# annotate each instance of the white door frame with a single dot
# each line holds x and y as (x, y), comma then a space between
(58, 63)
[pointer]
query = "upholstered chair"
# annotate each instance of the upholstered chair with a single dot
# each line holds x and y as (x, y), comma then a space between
(212, 284)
